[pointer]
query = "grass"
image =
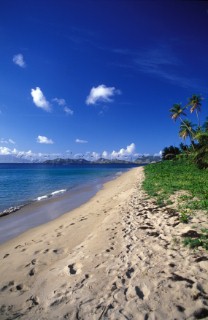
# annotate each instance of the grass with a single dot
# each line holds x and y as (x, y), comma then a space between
(165, 178)
(201, 241)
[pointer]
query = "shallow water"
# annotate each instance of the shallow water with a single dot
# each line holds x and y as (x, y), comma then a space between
(47, 191)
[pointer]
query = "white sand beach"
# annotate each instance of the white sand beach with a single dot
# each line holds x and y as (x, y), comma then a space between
(118, 256)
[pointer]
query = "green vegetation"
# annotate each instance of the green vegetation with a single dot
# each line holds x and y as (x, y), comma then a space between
(165, 178)
(200, 241)
(184, 217)
(197, 134)
(185, 174)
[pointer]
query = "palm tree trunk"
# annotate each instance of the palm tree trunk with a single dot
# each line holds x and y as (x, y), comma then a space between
(191, 133)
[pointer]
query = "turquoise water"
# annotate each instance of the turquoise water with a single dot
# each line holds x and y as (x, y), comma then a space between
(21, 184)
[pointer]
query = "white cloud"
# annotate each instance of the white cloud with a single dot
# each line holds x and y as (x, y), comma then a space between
(28, 155)
(81, 141)
(2, 140)
(124, 153)
(5, 151)
(19, 60)
(68, 111)
(79, 156)
(11, 141)
(44, 140)
(62, 102)
(159, 154)
(40, 100)
(101, 94)
(105, 154)
(95, 155)
(127, 153)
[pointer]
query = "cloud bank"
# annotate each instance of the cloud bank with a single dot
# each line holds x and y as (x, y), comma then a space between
(40, 100)
(44, 140)
(101, 94)
(19, 60)
(127, 153)
(124, 153)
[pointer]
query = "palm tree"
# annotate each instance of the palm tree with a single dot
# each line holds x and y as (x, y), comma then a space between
(195, 104)
(187, 130)
(177, 111)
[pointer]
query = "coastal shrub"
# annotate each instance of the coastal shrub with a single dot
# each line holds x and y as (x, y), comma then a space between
(201, 153)
(170, 153)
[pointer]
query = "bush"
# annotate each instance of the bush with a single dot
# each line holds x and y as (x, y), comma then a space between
(170, 153)
(201, 155)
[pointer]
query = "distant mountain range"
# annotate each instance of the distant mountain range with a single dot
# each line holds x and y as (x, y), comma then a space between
(61, 161)
(84, 161)
(143, 159)
(148, 159)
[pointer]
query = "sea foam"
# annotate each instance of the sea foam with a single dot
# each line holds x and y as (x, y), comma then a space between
(52, 194)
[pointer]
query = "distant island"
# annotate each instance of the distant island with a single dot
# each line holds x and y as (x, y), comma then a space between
(63, 161)
(142, 160)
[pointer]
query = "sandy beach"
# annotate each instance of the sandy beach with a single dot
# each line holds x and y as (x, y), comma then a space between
(118, 256)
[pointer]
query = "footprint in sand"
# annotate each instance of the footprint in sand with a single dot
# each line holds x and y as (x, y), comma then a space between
(31, 272)
(58, 251)
(139, 293)
(13, 287)
(74, 268)
(8, 285)
(129, 272)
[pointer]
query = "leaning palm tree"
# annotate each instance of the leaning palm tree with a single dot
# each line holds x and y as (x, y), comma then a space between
(195, 104)
(187, 131)
(176, 113)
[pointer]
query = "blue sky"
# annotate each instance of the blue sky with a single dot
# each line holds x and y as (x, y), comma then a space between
(98, 77)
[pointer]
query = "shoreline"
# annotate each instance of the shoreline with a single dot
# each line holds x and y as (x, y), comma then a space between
(114, 257)
(35, 213)
(76, 175)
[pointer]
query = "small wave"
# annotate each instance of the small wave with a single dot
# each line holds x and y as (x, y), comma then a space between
(52, 194)
(10, 210)
(58, 191)
(41, 198)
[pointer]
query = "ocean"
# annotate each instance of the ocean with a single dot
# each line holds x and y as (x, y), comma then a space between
(33, 194)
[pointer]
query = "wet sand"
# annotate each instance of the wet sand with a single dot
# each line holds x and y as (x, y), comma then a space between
(118, 256)
(40, 212)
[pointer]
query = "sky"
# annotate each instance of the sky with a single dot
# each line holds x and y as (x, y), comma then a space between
(98, 78)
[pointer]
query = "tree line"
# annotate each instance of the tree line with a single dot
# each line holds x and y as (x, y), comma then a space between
(197, 150)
